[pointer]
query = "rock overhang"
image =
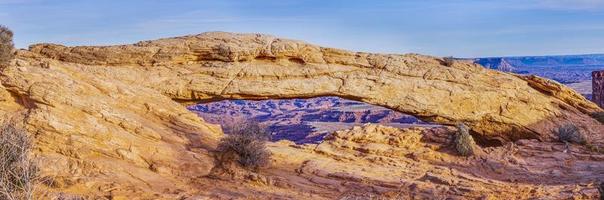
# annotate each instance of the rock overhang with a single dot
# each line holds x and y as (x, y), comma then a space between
(219, 65)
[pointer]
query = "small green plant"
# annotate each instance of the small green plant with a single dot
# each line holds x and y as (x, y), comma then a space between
(246, 143)
(18, 173)
(598, 116)
(571, 134)
(6, 45)
(464, 143)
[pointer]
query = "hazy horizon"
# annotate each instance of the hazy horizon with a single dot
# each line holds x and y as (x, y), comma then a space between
(459, 28)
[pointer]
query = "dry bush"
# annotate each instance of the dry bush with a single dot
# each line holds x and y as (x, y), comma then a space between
(464, 143)
(6, 45)
(570, 133)
(598, 116)
(18, 173)
(65, 196)
(448, 61)
(246, 141)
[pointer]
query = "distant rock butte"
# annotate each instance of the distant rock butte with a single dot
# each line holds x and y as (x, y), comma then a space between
(598, 87)
(111, 122)
(565, 69)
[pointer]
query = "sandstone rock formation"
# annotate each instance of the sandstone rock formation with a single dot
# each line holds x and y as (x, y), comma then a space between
(598, 87)
(417, 163)
(220, 65)
(110, 122)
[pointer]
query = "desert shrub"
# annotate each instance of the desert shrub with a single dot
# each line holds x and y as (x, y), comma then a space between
(448, 61)
(464, 143)
(6, 45)
(65, 196)
(18, 172)
(598, 116)
(570, 133)
(247, 142)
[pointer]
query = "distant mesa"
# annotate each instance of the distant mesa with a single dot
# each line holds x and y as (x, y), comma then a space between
(564, 69)
(571, 70)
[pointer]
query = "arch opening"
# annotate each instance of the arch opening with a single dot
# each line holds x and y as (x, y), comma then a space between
(304, 120)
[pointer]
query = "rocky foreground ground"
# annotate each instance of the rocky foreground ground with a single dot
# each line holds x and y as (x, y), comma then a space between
(417, 163)
(111, 123)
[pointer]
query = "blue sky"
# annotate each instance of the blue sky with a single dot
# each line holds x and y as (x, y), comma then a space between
(461, 28)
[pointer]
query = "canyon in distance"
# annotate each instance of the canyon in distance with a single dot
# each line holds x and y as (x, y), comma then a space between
(142, 121)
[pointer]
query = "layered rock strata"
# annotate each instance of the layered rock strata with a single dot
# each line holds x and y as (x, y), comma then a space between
(110, 122)
(218, 65)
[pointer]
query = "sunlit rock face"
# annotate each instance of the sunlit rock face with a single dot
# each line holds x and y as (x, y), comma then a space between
(111, 122)
(217, 65)
(303, 120)
(419, 163)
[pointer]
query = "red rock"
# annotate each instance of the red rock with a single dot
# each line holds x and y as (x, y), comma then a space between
(598, 87)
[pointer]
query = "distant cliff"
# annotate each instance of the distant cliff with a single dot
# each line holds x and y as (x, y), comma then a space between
(564, 69)
(598, 87)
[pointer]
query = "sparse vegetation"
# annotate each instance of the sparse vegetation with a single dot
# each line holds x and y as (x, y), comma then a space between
(464, 143)
(246, 143)
(18, 172)
(571, 134)
(598, 116)
(6, 45)
(448, 61)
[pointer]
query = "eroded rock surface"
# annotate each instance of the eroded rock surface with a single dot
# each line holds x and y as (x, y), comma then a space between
(379, 162)
(98, 136)
(418, 163)
(221, 65)
(110, 122)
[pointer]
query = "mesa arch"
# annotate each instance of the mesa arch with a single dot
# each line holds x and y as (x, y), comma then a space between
(105, 116)
(218, 65)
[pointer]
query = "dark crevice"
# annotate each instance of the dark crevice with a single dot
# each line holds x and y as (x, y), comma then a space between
(23, 100)
(267, 58)
(296, 60)
(486, 142)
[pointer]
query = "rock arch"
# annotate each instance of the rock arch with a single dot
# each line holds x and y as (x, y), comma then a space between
(217, 65)
(115, 116)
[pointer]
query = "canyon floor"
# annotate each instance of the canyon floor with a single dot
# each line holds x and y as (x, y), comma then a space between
(111, 122)
(302, 120)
